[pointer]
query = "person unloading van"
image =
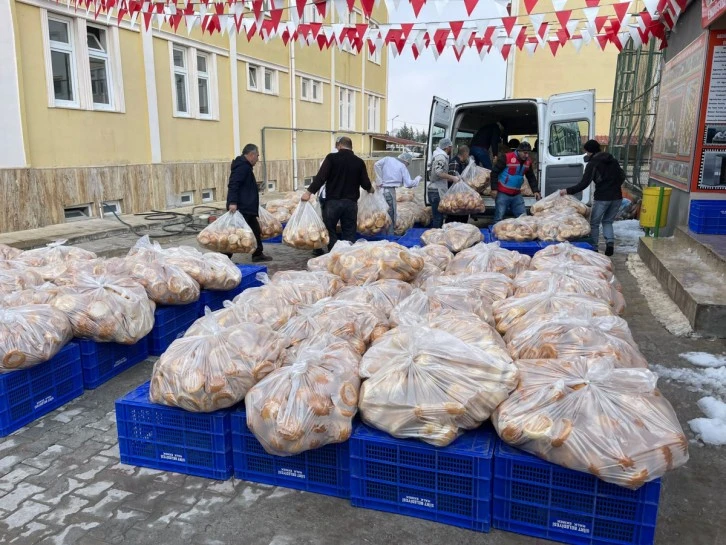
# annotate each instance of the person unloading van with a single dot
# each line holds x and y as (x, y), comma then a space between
(510, 170)
(603, 169)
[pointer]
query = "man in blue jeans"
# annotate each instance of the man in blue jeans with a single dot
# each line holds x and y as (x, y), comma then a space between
(510, 170)
(603, 169)
(439, 177)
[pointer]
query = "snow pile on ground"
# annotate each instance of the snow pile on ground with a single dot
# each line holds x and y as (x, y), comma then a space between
(704, 359)
(712, 429)
(659, 303)
(710, 380)
(627, 235)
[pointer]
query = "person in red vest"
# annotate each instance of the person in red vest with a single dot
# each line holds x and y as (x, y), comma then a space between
(509, 171)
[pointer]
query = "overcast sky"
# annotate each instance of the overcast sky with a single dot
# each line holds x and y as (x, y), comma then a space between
(412, 83)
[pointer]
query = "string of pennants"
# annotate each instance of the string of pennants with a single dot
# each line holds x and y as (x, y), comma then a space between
(528, 32)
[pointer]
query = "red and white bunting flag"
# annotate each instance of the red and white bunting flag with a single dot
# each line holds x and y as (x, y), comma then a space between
(600, 22)
(572, 26)
(530, 48)
(322, 7)
(635, 36)
(602, 40)
(470, 5)
(414, 51)
(435, 53)
(190, 21)
(508, 23)
(576, 43)
(505, 50)
(529, 5)
(554, 44)
(591, 14)
(563, 17)
(406, 29)
(592, 3)
(586, 36)
(623, 38)
(440, 6)
(417, 5)
(456, 27)
(621, 9)
(483, 52)
(559, 5)
(458, 52)
(521, 37)
(536, 21)
(651, 6)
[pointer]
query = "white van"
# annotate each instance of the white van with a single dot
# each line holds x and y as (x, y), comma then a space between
(556, 129)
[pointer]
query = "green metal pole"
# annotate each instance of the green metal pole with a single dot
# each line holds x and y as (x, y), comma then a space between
(661, 192)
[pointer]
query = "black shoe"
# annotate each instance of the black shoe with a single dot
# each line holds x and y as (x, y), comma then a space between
(318, 252)
(261, 258)
(609, 249)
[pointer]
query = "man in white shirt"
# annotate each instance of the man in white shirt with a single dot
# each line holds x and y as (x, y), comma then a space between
(392, 173)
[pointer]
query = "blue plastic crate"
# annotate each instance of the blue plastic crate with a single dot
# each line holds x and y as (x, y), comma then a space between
(452, 485)
(412, 237)
(708, 217)
(325, 470)
(487, 234)
(28, 394)
(377, 238)
(540, 499)
(215, 299)
(580, 243)
(526, 248)
(274, 240)
(103, 361)
(170, 323)
(172, 439)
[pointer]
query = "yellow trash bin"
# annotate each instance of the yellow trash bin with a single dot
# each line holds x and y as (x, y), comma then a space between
(649, 206)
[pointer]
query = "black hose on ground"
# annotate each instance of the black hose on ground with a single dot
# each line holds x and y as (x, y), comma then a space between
(185, 225)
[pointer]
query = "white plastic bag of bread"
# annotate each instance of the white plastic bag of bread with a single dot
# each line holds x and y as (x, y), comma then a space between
(38, 295)
(461, 199)
(455, 236)
(382, 295)
(476, 177)
(305, 230)
(269, 225)
(165, 284)
(8, 252)
(555, 203)
(564, 253)
(107, 309)
(229, 234)
(490, 286)
(425, 216)
(428, 271)
(416, 308)
(215, 368)
(428, 384)
(488, 258)
(537, 308)
(262, 305)
(15, 279)
(406, 215)
(373, 215)
(404, 194)
(435, 254)
(319, 283)
(309, 403)
(589, 415)
(519, 229)
(580, 279)
(370, 261)
(565, 337)
(55, 252)
(562, 226)
(30, 335)
(276, 205)
(356, 323)
(65, 274)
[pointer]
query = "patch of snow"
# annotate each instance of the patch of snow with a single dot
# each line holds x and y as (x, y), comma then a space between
(704, 359)
(627, 236)
(659, 303)
(712, 429)
(710, 380)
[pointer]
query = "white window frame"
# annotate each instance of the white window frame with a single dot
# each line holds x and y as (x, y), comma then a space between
(80, 65)
(116, 205)
(210, 195)
(375, 58)
(86, 212)
(374, 113)
(206, 76)
(346, 109)
(260, 79)
(271, 186)
(186, 194)
(350, 20)
(192, 82)
(311, 83)
(310, 14)
(106, 57)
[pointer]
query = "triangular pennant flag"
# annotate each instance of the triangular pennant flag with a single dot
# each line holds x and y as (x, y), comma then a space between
(481, 26)
(563, 17)
(367, 6)
(508, 23)
(536, 22)
(394, 51)
(506, 48)
(600, 22)
(602, 39)
(406, 30)
(530, 48)
(635, 36)
(190, 21)
(621, 8)
(351, 4)
(341, 9)
(285, 36)
(414, 51)
(431, 28)
(322, 7)
(592, 3)
(591, 14)
(160, 20)
(542, 30)
(562, 36)
(458, 52)
(483, 53)
(521, 37)
(362, 29)
(470, 5)
(529, 5)
(328, 33)
(559, 4)
(440, 6)
(554, 44)
(440, 37)
(338, 31)
(623, 38)
(147, 20)
(315, 29)
(456, 27)
(275, 17)
(586, 36)
(651, 6)
(572, 27)
(576, 43)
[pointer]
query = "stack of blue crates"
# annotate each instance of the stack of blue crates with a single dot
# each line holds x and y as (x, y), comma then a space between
(28, 394)
(541, 499)
(450, 484)
(103, 361)
(170, 323)
(708, 217)
(215, 299)
(323, 470)
(577, 244)
(172, 439)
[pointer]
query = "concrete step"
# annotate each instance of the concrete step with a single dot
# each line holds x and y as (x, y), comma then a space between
(693, 276)
(710, 248)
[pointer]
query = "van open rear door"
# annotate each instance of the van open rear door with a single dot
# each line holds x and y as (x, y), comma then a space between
(440, 121)
(569, 122)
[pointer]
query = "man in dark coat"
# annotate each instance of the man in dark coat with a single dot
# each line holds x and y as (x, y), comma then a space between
(243, 195)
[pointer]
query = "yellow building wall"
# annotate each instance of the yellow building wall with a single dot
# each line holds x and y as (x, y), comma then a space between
(312, 115)
(312, 60)
(189, 140)
(542, 75)
(58, 137)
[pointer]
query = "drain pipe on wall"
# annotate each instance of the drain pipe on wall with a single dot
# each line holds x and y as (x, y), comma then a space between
(293, 115)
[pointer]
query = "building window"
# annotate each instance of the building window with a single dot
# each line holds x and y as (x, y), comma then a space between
(307, 181)
(375, 57)
(374, 114)
(350, 20)
(311, 14)
(311, 90)
(261, 79)
(77, 212)
(194, 82)
(207, 195)
(60, 35)
(111, 208)
(82, 64)
(187, 197)
(272, 185)
(346, 102)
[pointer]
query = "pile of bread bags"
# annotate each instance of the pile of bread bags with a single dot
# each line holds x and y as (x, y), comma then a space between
(554, 218)
(430, 342)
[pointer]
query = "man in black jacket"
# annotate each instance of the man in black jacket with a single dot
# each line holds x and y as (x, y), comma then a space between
(243, 195)
(603, 169)
(343, 174)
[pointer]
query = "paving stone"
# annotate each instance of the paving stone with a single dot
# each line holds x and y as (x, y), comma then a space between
(106, 423)
(164, 512)
(48, 456)
(32, 533)
(144, 500)
(10, 443)
(57, 469)
(70, 535)
(28, 511)
(59, 488)
(83, 437)
(203, 508)
(114, 530)
(95, 489)
(226, 488)
(106, 506)
(8, 463)
(64, 508)
(112, 452)
(93, 467)
(66, 415)
(10, 501)
(19, 473)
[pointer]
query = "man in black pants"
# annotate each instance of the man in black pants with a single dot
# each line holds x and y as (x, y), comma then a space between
(243, 195)
(343, 174)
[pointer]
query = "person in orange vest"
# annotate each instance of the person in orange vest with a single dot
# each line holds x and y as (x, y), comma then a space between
(510, 170)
